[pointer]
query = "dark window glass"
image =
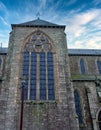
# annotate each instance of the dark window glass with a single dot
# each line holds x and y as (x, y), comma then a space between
(33, 76)
(33, 70)
(78, 106)
(43, 93)
(51, 95)
(82, 66)
(33, 93)
(25, 73)
(25, 94)
(0, 62)
(42, 76)
(99, 66)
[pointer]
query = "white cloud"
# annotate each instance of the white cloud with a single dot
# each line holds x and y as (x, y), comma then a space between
(2, 6)
(4, 36)
(3, 9)
(78, 22)
(71, 2)
(96, 2)
(42, 3)
(84, 29)
(4, 21)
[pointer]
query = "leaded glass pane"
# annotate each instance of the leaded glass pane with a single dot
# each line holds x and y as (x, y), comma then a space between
(33, 76)
(42, 76)
(33, 94)
(51, 95)
(25, 94)
(25, 73)
(42, 93)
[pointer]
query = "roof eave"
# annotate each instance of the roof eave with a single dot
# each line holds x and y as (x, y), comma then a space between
(39, 26)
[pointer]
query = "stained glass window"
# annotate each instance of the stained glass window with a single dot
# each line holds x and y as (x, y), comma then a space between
(38, 68)
(82, 66)
(99, 66)
(78, 106)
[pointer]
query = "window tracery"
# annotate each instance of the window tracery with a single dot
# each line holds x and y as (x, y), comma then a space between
(38, 42)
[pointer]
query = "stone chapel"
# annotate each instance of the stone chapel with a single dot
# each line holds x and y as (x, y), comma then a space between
(46, 86)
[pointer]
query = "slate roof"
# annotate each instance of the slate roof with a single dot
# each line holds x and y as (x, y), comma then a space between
(84, 52)
(3, 50)
(38, 23)
(88, 52)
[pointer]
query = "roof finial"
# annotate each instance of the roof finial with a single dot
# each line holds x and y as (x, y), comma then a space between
(38, 15)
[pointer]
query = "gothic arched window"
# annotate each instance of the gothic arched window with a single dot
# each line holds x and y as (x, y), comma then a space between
(78, 107)
(99, 120)
(99, 66)
(82, 66)
(38, 68)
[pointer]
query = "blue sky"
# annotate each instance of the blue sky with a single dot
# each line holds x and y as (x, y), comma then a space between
(81, 17)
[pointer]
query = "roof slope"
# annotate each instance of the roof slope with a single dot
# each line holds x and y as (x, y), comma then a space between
(84, 51)
(39, 22)
(70, 51)
(3, 50)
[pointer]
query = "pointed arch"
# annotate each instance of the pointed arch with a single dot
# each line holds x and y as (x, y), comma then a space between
(78, 106)
(37, 37)
(38, 67)
(82, 66)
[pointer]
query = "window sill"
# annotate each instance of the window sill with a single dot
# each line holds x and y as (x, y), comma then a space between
(39, 102)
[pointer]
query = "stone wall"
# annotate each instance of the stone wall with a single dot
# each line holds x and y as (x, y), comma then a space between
(3, 100)
(44, 115)
(90, 64)
(85, 85)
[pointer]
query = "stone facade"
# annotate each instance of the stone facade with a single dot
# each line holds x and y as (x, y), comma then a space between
(59, 114)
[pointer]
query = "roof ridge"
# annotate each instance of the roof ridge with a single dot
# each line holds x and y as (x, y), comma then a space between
(39, 22)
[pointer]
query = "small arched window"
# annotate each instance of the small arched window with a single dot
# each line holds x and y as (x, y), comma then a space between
(38, 68)
(99, 120)
(78, 107)
(99, 66)
(82, 66)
